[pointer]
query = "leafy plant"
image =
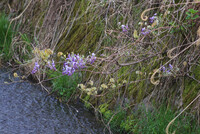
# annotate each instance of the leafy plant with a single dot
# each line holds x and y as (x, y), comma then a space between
(191, 14)
(115, 119)
(64, 85)
(148, 122)
(6, 33)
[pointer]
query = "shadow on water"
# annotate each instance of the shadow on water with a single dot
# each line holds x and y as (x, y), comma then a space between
(25, 109)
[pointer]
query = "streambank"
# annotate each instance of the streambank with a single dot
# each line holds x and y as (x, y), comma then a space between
(26, 109)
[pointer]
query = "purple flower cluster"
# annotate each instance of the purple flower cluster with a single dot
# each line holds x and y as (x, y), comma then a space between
(153, 18)
(145, 31)
(36, 68)
(163, 69)
(51, 65)
(124, 28)
(71, 64)
(67, 70)
(74, 62)
(91, 58)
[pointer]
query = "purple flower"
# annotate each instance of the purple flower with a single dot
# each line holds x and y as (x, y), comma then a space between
(92, 58)
(49, 65)
(66, 69)
(36, 68)
(69, 57)
(153, 18)
(170, 66)
(77, 57)
(81, 64)
(52, 65)
(124, 28)
(145, 31)
(163, 68)
(168, 71)
(74, 62)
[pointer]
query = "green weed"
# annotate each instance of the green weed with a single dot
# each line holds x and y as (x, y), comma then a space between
(156, 122)
(6, 33)
(64, 85)
(146, 122)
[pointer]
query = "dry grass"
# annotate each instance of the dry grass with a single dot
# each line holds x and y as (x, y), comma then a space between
(173, 40)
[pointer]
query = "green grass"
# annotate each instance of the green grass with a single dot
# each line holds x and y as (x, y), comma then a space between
(6, 34)
(156, 122)
(143, 122)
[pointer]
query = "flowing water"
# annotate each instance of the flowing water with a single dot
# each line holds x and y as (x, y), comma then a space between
(26, 109)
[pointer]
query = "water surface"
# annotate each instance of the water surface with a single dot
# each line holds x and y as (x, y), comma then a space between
(26, 109)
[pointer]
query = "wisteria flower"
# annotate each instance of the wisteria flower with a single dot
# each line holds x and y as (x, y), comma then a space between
(167, 71)
(36, 68)
(92, 58)
(75, 61)
(124, 28)
(51, 65)
(170, 66)
(67, 70)
(163, 68)
(145, 31)
(153, 18)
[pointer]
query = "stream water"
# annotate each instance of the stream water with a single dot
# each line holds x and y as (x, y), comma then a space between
(25, 109)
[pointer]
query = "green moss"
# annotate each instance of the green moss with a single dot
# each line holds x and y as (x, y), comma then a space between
(83, 35)
(191, 89)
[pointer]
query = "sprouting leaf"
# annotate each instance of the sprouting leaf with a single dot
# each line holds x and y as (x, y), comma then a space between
(169, 53)
(113, 86)
(153, 81)
(184, 63)
(15, 75)
(112, 80)
(23, 77)
(135, 34)
(171, 23)
(193, 11)
(104, 86)
(91, 82)
(82, 86)
(188, 13)
(195, 17)
(124, 81)
(93, 88)
(59, 54)
(188, 17)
